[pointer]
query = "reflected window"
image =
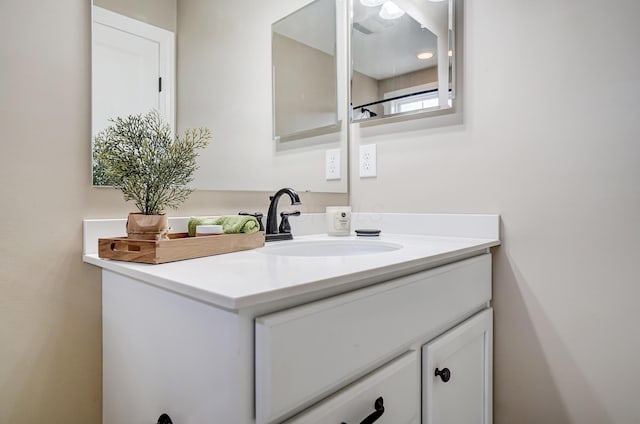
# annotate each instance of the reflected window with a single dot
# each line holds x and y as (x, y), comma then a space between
(419, 97)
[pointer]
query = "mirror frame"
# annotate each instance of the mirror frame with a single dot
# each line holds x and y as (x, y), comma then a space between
(418, 114)
(336, 126)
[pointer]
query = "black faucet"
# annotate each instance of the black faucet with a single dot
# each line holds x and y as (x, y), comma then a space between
(272, 215)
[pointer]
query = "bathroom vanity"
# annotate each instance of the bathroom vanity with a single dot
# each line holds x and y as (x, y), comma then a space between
(393, 329)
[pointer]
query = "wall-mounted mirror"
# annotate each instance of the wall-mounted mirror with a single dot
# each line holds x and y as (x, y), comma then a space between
(402, 56)
(303, 49)
(223, 81)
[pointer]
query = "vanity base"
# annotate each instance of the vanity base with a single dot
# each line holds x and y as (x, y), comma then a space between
(165, 353)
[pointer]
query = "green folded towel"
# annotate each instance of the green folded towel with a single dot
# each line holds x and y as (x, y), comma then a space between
(231, 224)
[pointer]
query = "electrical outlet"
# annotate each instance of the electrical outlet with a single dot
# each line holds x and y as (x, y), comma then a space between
(332, 164)
(368, 160)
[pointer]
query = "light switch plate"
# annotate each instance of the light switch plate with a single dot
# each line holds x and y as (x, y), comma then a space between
(368, 166)
(332, 164)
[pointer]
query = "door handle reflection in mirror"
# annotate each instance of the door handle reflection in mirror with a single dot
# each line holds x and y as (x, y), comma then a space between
(445, 374)
(379, 410)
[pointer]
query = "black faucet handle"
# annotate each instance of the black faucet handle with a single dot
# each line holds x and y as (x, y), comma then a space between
(256, 215)
(285, 226)
(285, 213)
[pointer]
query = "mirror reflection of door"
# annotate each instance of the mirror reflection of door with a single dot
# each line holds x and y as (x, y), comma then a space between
(401, 57)
(131, 69)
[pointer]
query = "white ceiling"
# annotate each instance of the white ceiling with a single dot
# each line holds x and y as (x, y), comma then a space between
(391, 47)
(380, 48)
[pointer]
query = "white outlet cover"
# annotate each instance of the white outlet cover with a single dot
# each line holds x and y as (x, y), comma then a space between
(368, 166)
(332, 164)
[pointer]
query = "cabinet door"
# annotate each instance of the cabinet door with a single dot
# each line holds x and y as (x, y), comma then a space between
(457, 374)
(389, 395)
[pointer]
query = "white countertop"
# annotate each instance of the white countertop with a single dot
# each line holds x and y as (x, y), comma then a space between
(250, 278)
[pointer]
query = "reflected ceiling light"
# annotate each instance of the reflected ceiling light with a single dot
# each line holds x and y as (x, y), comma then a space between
(450, 53)
(390, 10)
(424, 55)
(371, 3)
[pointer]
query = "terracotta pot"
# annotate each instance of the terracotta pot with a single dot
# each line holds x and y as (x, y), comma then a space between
(147, 227)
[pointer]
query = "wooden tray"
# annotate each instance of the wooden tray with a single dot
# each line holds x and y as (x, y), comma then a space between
(179, 246)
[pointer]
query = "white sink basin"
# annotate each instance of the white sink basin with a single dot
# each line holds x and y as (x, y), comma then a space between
(329, 248)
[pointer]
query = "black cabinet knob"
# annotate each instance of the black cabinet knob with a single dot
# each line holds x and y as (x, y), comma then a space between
(445, 374)
(164, 419)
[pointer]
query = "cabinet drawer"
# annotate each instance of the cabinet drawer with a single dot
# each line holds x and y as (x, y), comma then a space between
(395, 387)
(305, 353)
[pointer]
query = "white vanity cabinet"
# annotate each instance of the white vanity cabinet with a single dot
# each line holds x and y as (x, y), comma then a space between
(307, 353)
(255, 338)
(337, 359)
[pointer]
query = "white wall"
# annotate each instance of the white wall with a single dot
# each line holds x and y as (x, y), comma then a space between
(549, 137)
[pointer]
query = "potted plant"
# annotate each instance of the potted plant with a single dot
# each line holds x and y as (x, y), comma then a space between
(140, 156)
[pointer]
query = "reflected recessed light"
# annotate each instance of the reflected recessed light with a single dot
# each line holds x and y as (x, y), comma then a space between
(424, 55)
(371, 3)
(390, 10)
(450, 53)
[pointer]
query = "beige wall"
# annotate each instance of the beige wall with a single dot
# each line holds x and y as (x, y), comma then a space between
(560, 167)
(411, 79)
(548, 137)
(298, 105)
(364, 89)
(225, 83)
(50, 304)
(160, 13)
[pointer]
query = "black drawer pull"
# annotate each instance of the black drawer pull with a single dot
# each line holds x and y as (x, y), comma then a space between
(379, 406)
(164, 419)
(445, 374)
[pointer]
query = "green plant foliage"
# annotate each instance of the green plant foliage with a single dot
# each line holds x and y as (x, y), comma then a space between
(99, 178)
(140, 156)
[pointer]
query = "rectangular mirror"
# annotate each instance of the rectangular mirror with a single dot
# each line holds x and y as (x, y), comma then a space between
(220, 77)
(303, 54)
(402, 58)
(133, 66)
